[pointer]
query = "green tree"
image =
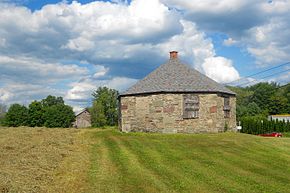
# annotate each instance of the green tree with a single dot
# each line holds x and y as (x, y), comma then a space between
(17, 115)
(98, 115)
(278, 104)
(59, 115)
(286, 93)
(262, 93)
(253, 109)
(52, 100)
(243, 95)
(105, 106)
(241, 111)
(262, 99)
(35, 114)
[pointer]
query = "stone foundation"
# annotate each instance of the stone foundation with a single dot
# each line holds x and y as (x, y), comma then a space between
(164, 113)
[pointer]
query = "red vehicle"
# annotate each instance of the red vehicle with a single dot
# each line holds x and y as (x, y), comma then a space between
(274, 134)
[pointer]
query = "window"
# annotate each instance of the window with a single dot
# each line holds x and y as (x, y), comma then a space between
(190, 106)
(227, 107)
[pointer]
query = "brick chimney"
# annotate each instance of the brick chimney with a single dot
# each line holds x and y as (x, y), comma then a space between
(173, 55)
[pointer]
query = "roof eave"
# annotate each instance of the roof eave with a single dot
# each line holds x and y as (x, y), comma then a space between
(177, 92)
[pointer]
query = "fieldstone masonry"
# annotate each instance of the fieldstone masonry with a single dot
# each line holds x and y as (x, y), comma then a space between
(176, 98)
(164, 113)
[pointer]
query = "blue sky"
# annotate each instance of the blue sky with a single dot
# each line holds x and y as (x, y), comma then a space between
(69, 48)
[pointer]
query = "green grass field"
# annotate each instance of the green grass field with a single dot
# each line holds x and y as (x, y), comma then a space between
(225, 162)
(95, 160)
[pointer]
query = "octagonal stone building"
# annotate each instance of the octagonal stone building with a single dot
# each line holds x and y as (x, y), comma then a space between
(177, 99)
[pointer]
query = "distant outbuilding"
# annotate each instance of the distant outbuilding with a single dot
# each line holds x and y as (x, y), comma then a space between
(83, 119)
(285, 117)
(175, 98)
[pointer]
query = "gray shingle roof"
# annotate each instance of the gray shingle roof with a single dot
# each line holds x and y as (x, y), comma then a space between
(176, 77)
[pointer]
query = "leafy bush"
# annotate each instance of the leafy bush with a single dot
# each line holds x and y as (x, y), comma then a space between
(16, 116)
(49, 112)
(35, 114)
(60, 115)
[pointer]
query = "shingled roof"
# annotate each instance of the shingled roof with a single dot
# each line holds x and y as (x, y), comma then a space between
(176, 77)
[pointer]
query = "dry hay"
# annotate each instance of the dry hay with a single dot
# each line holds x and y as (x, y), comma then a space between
(43, 160)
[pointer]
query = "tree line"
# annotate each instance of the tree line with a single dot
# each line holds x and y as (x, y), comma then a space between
(49, 112)
(52, 112)
(262, 99)
(255, 103)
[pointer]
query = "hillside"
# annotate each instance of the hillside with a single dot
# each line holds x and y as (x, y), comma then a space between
(95, 160)
(262, 99)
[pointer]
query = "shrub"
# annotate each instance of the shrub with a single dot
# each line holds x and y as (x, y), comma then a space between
(17, 115)
(35, 114)
(254, 125)
(58, 116)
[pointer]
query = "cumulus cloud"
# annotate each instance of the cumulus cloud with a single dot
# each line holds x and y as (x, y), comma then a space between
(268, 47)
(121, 42)
(80, 93)
(24, 79)
(62, 28)
(230, 16)
(5, 95)
(257, 26)
(24, 93)
(230, 42)
(199, 51)
(220, 69)
(26, 69)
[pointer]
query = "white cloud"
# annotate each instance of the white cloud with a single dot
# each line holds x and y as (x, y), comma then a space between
(203, 6)
(125, 41)
(34, 70)
(220, 69)
(230, 42)
(81, 91)
(260, 27)
(24, 93)
(270, 43)
(232, 17)
(276, 7)
(199, 51)
(100, 71)
(5, 95)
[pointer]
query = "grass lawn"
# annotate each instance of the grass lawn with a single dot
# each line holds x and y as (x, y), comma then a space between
(94, 160)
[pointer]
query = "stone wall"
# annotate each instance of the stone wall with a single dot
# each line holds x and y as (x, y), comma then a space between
(83, 120)
(164, 113)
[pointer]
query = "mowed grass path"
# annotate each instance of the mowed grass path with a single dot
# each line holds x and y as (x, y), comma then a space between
(225, 162)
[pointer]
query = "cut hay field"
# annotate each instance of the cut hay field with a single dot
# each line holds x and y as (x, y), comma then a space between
(95, 160)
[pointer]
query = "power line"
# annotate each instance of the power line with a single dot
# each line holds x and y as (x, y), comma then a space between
(283, 85)
(260, 72)
(265, 77)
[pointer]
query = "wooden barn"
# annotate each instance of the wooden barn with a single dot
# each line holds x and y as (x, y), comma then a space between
(83, 119)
